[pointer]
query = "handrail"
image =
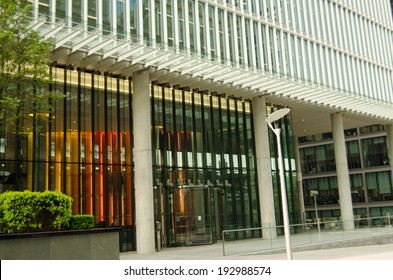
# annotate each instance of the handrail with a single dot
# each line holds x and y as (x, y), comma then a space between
(307, 229)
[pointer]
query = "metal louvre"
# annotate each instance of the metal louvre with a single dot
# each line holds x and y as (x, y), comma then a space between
(213, 75)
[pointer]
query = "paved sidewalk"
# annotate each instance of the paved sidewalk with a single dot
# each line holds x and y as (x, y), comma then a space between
(359, 244)
(214, 252)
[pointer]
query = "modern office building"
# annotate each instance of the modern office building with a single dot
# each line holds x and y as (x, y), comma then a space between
(163, 117)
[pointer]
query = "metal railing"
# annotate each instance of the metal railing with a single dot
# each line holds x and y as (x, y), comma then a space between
(263, 239)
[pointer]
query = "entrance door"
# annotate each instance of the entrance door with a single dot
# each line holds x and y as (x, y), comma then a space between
(192, 215)
(220, 212)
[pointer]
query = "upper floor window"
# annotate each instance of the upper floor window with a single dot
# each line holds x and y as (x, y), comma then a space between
(375, 152)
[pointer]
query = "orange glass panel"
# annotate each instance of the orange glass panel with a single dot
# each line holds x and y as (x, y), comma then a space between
(87, 178)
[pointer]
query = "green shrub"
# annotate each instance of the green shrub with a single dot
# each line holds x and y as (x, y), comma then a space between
(34, 211)
(82, 222)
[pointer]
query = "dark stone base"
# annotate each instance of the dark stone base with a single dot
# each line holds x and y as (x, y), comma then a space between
(96, 244)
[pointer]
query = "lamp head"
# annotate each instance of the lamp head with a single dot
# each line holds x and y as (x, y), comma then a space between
(276, 115)
(313, 193)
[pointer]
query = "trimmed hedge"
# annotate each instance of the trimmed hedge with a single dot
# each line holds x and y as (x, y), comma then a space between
(82, 222)
(34, 211)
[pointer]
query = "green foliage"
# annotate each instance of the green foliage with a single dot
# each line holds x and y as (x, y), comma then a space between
(24, 60)
(82, 222)
(34, 211)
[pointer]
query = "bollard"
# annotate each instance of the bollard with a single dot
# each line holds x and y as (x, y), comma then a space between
(158, 236)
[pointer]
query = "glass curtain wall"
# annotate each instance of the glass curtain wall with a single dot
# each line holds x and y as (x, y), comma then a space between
(368, 163)
(201, 140)
(83, 148)
(203, 151)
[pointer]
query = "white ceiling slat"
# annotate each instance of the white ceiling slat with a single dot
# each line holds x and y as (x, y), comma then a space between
(68, 37)
(84, 42)
(52, 31)
(37, 24)
(208, 69)
(284, 84)
(265, 84)
(114, 50)
(182, 64)
(259, 79)
(158, 57)
(130, 52)
(141, 57)
(100, 46)
(212, 74)
(228, 73)
(173, 61)
(196, 66)
(236, 78)
(252, 78)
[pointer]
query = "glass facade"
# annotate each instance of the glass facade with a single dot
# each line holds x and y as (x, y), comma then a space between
(83, 148)
(368, 164)
(200, 140)
(202, 147)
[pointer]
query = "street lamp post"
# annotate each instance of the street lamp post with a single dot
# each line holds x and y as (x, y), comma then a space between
(277, 131)
(314, 194)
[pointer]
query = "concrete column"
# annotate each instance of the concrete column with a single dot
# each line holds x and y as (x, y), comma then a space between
(389, 138)
(264, 170)
(143, 178)
(299, 181)
(340, 154)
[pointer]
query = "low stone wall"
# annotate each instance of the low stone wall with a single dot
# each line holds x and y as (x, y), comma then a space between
(94, 244)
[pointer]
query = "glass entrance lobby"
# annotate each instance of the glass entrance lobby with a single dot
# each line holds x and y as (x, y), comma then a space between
(203, 151)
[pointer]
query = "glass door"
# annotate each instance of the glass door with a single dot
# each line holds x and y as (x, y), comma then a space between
(192, 215)
(220, 212)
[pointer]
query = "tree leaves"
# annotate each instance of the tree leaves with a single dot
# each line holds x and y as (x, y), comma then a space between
(24, 73)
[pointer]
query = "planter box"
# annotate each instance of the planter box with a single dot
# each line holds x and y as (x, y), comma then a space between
(93, 244)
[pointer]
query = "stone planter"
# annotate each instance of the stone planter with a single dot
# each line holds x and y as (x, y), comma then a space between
(91, 244)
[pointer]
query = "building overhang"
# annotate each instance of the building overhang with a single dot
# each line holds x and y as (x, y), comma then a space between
(79, 48)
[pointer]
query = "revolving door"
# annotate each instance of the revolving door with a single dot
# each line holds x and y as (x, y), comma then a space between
(189, 214)
(192, 215)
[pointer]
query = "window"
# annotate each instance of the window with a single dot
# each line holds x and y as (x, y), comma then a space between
(353, 154)
(379, 186)
(375, 152)
(357, 188)
(327, 191)
(92, 15)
